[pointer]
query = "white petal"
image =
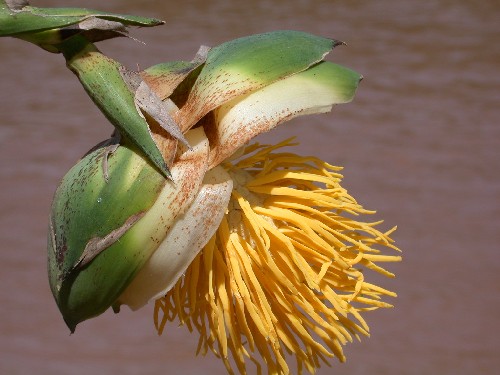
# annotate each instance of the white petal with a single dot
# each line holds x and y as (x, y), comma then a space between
(184, 241)
(187, 173)
(312, 91)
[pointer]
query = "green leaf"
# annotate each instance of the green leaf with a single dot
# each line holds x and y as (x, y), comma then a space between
(33, 19)
(48, 27)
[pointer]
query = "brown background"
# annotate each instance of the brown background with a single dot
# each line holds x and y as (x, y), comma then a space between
(419, 144)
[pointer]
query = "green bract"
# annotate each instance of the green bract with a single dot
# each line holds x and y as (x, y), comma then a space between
(100, 76)
(85, 210)
(128, 240)
(101, 233)
(247, 64)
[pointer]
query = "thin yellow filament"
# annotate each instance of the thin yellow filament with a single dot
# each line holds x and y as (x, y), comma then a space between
(282, 277)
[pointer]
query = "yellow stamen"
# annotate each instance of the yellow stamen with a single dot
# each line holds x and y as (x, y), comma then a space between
(282, 275)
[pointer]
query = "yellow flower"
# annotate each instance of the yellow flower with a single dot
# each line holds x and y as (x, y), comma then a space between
(283, 274)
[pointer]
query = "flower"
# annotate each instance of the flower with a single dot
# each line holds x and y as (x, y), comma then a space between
(284, 269)
(255, 248)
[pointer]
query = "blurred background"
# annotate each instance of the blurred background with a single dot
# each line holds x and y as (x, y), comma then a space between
(420, 144)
